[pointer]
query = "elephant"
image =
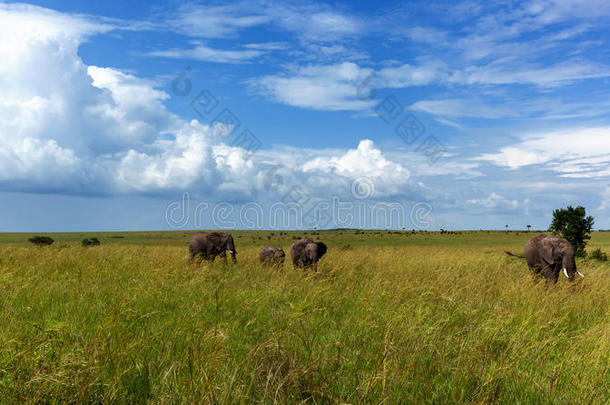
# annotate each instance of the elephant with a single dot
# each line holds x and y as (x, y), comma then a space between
(306, 253)
(272, 255)
(549, 255)
(208, 245)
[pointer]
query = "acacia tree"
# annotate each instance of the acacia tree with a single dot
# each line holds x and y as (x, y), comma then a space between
(574, 225)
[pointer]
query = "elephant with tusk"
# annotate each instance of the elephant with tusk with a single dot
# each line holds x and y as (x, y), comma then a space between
(208, 245)
(548, 256)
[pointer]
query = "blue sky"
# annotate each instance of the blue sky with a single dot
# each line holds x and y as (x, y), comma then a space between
(424, 114)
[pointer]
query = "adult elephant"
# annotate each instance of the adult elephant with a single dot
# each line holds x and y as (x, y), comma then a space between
(306, 253)
(548, 255)
(208, 245)
(272, 255)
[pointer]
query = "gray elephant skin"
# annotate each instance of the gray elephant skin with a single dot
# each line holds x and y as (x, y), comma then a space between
(548, 256)
(306, 253)
(272, 255)
(208, 245)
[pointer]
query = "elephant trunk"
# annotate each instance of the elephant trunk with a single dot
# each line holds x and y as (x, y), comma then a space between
(569, 266)
(231, 249)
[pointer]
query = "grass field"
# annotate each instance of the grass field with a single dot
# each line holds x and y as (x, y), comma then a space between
(388, 318)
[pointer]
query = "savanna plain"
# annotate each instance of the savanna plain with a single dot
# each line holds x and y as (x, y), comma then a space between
(389, 317)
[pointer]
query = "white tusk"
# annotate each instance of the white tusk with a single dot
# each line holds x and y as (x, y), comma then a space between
(580, 274)
(565, 272)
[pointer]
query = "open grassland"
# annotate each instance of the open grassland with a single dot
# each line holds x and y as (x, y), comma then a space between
(388, 318)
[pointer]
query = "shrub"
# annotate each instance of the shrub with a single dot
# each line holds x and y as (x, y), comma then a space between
(91, 242)
(598, 254)
(41, 240)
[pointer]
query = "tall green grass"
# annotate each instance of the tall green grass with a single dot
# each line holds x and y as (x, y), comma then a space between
(392, 320)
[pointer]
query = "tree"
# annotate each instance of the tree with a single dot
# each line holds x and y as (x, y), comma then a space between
(529, 227)
(574, 225)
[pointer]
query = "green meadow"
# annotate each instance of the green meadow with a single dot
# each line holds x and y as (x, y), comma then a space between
(389, 317)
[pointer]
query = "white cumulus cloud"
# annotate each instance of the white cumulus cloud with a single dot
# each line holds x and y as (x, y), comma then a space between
(366, 161)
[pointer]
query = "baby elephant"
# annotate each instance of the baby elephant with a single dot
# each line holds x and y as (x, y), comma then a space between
(272, 255)
(306, 253)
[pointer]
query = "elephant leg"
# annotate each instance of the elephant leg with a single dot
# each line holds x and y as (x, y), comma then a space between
(198, 257)
(534, 271)
(556, 275)
(556, 272)
(224, 256)
(204, 256)
(550, 274)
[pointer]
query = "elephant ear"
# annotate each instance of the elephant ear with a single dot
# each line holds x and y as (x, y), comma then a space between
(321, 249)
(547, 251)
(227, 242)
(565, 247)
(212, 239)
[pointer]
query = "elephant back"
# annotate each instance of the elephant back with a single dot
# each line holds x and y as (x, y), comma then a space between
(198, 242)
